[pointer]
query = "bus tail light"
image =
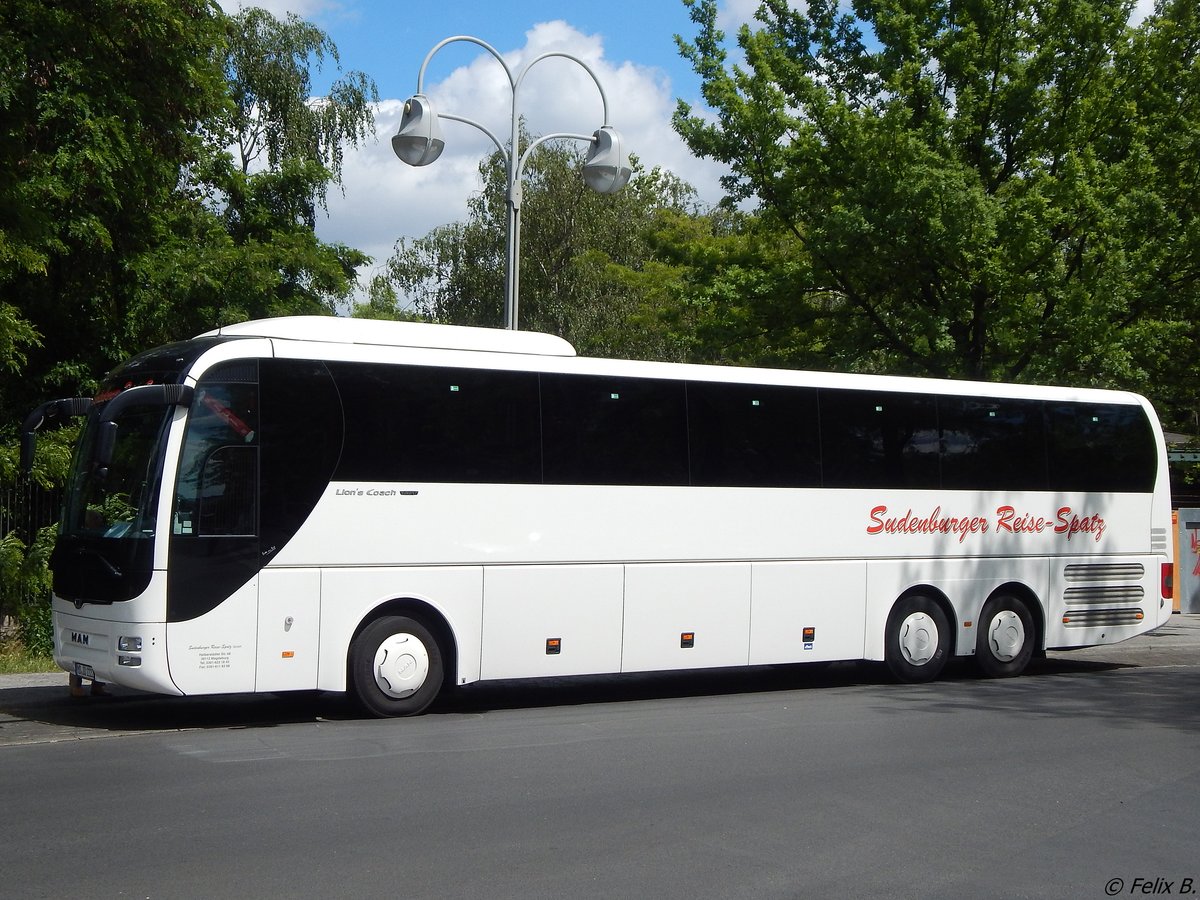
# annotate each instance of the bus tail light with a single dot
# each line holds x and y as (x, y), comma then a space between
(1168, 580)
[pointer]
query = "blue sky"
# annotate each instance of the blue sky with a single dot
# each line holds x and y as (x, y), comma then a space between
(388, 40)
(630, 44)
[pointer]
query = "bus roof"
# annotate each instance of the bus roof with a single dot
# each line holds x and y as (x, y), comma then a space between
(421, 336)
(386, 333)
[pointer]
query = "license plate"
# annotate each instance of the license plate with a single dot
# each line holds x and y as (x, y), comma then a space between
(85, 671)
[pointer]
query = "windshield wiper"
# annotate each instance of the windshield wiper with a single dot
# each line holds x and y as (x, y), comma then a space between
(111, 570)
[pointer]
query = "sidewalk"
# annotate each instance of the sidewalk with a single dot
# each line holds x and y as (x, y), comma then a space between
(33, 679)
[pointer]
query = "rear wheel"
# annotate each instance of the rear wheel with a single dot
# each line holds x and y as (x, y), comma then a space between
(1005, 642)
(395, 667)
(917, 639)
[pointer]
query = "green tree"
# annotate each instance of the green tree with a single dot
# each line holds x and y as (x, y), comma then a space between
(575, 246)
(269, 64)
(974, 187)
(1162, 206)
(725, 288)
(242, 245)
(100, 111)
(125, 219)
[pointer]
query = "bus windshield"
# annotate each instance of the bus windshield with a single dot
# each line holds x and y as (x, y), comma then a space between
(121, 501)
(105, 548)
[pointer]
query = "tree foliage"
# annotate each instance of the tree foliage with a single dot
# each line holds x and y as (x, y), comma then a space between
(243, 245)
(995, 189)
(575, 247)
(276, 119)
(727, 289)
(125, 219)
(99, 113)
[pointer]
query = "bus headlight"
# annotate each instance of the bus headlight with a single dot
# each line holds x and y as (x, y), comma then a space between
(129, 660)
(129, 644)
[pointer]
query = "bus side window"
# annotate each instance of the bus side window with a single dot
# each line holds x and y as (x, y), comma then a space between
(1101, 448)
(879, 439)
(217, 486)
(228, 492)
(614, 430)
(992, 444)
(750, 435)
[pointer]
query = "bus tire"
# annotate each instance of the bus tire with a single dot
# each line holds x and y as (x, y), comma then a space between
(917, 639)
(1006, 638)
(395, 667)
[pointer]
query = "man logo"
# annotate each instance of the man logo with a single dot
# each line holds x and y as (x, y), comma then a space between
(78, 637)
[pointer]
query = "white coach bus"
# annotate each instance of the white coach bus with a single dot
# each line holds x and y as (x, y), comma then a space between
(390, 508)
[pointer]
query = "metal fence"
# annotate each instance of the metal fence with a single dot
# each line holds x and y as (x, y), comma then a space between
(26, 506)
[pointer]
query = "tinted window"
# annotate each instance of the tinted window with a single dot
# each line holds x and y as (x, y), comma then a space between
(1100, 447)
(746, 435)
(992, 444)
(600, 430)
(417, 423)
(876, 439)
(301, 443)
(217, 487)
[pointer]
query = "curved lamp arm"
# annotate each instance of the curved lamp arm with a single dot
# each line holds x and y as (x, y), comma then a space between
(537, 59)
(481, 127)
(470, 40)
(588, 138)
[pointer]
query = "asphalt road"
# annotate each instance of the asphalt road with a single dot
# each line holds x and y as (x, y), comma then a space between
(1079, 779)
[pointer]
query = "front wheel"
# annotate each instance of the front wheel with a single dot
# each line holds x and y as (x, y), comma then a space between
(1006, 637)
(917, 639)
(395, 667)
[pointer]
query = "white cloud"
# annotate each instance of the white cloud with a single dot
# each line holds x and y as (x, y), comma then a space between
(385, 199)
(732, 14)
(1141, 9)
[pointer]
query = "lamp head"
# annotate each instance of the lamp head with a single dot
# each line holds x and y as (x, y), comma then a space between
(606, 168)
(419, 140)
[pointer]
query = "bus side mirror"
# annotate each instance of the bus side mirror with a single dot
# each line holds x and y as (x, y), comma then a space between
(106, 442)
(143, 395)
(52, 410)
(28, 445)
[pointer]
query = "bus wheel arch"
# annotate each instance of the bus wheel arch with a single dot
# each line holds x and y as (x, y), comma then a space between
(919, 635)
(401, 657)
(1009, 631)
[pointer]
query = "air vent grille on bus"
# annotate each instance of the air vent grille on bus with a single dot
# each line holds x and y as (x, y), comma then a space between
(1104, 594)
(1089, 618)
(1105, 572)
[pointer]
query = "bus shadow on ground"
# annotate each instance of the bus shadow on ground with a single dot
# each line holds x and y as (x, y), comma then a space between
(1153, 696)
(55, 715)
(488, 696)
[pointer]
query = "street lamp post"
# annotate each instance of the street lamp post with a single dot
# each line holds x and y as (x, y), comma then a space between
(419, 142)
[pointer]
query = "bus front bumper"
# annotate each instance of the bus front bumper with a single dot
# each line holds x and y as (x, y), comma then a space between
(130, 654)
